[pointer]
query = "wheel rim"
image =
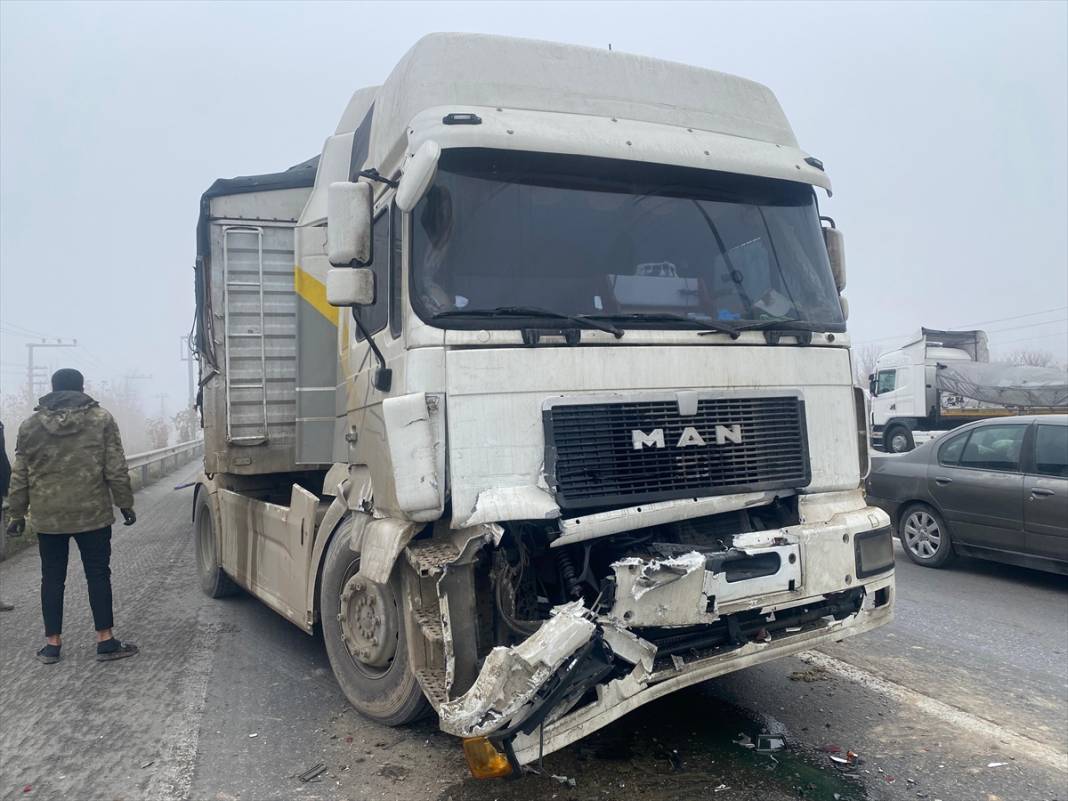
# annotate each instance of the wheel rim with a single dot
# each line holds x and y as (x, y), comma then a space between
(923, 537)
(370, 625)
(899, 443)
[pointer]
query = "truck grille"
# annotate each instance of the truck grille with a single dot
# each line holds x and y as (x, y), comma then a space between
(593, 460)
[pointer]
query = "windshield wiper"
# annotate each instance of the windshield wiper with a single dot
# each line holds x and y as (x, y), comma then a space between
(581, 320)
(783, 324)
(708, 326)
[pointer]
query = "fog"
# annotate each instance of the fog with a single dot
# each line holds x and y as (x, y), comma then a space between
(943, 127)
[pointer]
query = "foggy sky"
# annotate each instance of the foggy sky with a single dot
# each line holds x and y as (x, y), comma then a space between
(943, 128)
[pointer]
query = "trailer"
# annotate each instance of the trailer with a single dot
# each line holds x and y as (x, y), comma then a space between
(533, 393)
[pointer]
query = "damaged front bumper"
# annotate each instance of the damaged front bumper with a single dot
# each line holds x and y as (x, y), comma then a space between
(674, 623)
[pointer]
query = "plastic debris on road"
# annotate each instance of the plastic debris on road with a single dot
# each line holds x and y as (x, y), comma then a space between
(766, 743)
(566, 780)
(313, 772)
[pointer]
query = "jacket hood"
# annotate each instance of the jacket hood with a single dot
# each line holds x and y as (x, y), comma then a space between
(64, 413)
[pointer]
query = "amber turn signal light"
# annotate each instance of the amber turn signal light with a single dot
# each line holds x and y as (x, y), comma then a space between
(484, 760)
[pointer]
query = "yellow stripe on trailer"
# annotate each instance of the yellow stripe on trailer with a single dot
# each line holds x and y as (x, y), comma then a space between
(313, 291)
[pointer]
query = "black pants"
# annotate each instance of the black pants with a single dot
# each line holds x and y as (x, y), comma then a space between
(95, 549)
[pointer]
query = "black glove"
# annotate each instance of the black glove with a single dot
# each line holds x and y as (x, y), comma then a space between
(16, 527)
(128, 517)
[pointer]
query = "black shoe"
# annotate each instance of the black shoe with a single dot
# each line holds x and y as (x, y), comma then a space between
(48, 655)
(112, 649)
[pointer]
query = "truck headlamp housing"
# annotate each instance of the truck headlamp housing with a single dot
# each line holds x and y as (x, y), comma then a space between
(874, 552)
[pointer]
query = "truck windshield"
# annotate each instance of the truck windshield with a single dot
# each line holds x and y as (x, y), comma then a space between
(639, 244)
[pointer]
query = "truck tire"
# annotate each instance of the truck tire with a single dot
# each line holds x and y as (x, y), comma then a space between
(368, 650)
(925, 536)
(213, 580)
(898, 439)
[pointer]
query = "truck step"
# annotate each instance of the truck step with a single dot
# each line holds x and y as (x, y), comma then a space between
(429, 621)
(428, 558)
(433, 683)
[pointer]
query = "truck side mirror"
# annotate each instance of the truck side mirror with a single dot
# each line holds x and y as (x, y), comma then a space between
(872, 386)
(349, 211)
(832, 238)
(350, 286)
(418, 175)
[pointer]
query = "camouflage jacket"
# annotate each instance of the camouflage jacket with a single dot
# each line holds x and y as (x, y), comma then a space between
(69, 466)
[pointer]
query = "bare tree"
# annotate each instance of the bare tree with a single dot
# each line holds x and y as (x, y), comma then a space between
(864, 359)
(1030, 358)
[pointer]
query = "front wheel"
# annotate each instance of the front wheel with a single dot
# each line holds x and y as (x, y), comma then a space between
(363, 628)
(899, 440)
(925, 536)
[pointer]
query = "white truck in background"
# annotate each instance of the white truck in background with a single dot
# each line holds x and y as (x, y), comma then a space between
(944, 379)
(534, 395)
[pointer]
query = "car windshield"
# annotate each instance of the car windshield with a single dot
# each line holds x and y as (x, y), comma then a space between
(647, 245)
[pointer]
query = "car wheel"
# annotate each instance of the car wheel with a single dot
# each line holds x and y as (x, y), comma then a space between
(899, 440)
(925, 537)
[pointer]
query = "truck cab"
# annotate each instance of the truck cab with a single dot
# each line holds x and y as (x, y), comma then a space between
(573, 423)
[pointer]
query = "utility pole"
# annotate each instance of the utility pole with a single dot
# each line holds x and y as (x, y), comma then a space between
(187, 357)
(31, 374)
(130, 377)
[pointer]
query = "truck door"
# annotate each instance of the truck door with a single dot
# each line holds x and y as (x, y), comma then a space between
(382, 322)
(1046, 493)
(980, 492)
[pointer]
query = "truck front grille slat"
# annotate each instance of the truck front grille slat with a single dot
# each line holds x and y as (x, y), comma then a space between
(592, 459)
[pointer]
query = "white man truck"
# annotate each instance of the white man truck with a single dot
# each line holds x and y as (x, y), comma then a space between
(944, 379)
(532, 391)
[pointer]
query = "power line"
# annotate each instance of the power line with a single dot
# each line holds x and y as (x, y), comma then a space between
(981, 322)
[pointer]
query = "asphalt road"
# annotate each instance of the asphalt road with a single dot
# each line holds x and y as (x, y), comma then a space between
(228, 701)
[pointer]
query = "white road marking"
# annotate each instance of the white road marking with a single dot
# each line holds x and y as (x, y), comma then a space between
(173, 780)
(940, 710)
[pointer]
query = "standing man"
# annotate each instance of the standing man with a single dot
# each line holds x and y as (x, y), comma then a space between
(69, 470)
(5, 482)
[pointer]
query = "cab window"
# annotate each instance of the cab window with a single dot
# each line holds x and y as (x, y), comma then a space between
(885, 381)
(1051, 451)
(374, 316)
(994, 448)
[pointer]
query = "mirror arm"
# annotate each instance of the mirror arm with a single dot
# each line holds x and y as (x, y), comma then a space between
(372, 174)
(383, 377)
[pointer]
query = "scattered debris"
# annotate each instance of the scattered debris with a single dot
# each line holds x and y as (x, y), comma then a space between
(745, 741)
(997, 764)
(348, 739)
(254, 734)
(831, 748)
(311, 773)
(27, 788)
(766, 743)
(847, 762)
(564, 780)
(148, 764)
(812, 674)
(720, 788)
(395, 772)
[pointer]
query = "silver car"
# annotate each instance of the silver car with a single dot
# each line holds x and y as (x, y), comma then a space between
(995, 489)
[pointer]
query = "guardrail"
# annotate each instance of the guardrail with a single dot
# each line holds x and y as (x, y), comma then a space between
(150, 465)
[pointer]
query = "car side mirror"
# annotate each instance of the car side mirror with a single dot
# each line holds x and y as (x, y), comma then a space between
(835, 242)
(349, 218)
(350, 286)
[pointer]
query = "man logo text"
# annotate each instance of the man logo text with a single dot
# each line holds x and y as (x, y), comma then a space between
(690, 436)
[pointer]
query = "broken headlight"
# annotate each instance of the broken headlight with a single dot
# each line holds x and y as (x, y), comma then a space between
(874, 552)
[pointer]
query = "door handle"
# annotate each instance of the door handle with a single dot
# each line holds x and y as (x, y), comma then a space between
(1041, 491)
(942, 481)
(893, 407)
